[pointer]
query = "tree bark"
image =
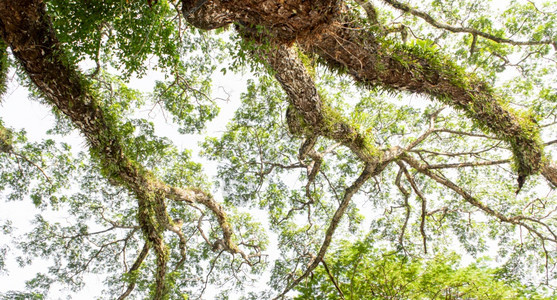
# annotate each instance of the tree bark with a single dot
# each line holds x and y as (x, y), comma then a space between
(329, 30)
(26, 28)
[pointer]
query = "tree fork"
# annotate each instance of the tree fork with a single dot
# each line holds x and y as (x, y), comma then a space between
(381, 63)
(26, 28)
(343, 44)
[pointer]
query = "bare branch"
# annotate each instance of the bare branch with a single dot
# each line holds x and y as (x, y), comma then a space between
(468, 164)
(350, 191)
(405, 195)
(333, 280)
(32, 164)
(429, 19)
(430, 130)
(418, 192)
(456, 154)
(517, 219)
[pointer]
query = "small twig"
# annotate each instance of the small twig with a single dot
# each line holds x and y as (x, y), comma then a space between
(33, 164)
(429, 19)
(332, 279)
(418, 192)
(349, 193)
(406, 195)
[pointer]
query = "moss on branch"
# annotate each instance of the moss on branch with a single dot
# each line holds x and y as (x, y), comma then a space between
(26, 28)
(3, 67)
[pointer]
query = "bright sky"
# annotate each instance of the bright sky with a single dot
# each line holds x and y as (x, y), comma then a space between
(19, 112)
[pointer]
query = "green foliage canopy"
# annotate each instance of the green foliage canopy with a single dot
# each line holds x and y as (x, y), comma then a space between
(424, 127)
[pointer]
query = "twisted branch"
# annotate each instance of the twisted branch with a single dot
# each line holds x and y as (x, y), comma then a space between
(26, 28)
(429, 19)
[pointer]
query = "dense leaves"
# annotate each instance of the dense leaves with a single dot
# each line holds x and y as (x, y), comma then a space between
(357, 271)
(427, 127)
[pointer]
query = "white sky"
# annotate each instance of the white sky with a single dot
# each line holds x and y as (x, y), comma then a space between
(19, 112)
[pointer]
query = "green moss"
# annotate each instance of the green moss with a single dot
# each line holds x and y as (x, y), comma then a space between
(4, 65)
(5, 139)
(484, 106)
(309, 62)
(332, 119)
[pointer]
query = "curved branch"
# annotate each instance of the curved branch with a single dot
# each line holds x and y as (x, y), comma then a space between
(26, 28)
(371, 12)
(326, 29)
(348, 194)
(333, 279)
(429, 19)
(418, 192)
(377, 63)
(405, 194)
(314, 117)
(138, 261)
(516, 220)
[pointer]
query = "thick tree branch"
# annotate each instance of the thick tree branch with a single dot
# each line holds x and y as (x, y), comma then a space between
(377, 63)
(468, 164)
(26, 28)
(310, 115)
(337, 37)
(314, 118)
(138, 261)
(289, 19)
(549, 171)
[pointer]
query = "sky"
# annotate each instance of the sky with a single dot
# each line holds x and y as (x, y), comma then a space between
(19, 112)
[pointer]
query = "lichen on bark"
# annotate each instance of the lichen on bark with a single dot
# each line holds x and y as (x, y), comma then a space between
(344, 43)
(26, 28)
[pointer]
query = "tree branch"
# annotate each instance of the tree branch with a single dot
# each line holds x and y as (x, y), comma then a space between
(333, 279)
(138, 261)
(26, 28)
(429, 19)
(368, 171)
(405, 194)
(516, 220)
(416, 189)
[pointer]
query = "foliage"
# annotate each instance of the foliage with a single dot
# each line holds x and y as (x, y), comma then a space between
(427, 127)
(362, 272)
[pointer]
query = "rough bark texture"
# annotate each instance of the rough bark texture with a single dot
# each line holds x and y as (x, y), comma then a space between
(26, 28)
(3, 67)
(549, 171)
(321, 27)
(312, 116)
(286, 20)
(339, 39)
(317, 120)
(372, 63)
(343, 45)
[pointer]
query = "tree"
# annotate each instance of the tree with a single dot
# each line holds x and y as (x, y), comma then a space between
(323, 140)
(366, 273)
